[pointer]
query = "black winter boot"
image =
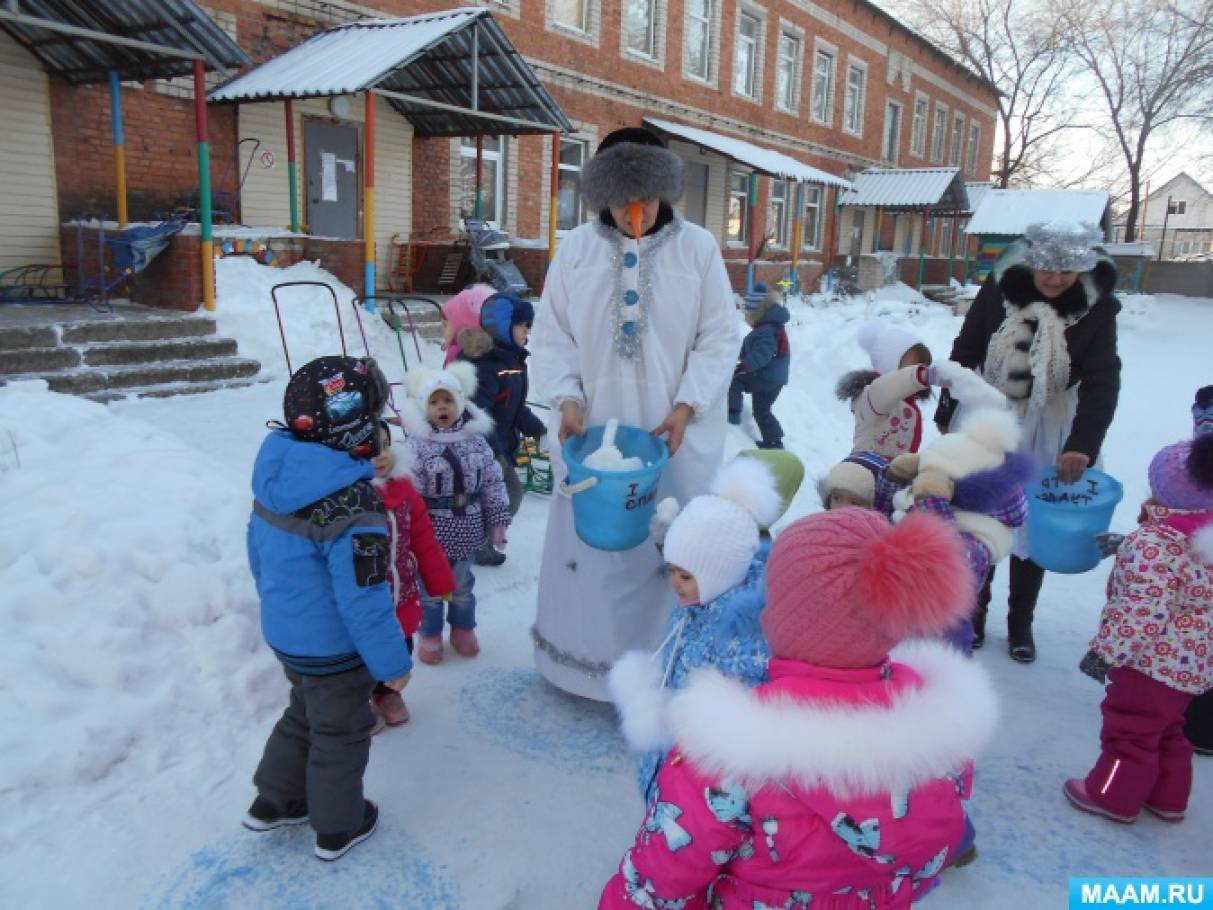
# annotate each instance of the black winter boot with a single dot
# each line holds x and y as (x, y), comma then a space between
(978, 619)
(1026, 580)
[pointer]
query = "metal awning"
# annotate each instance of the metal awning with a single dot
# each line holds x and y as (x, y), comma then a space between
(765, 161)
(1010, 212)
(84, 41)
(452, 73)
(977, 191)
(939, 189)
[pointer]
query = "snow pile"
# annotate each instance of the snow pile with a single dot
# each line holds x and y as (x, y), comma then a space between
(130, 621)
(607, 456)
(245, 311)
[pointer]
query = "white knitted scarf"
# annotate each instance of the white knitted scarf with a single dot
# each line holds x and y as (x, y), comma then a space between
(1047, 357)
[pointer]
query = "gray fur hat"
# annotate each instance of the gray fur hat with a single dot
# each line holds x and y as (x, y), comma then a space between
(631, 163)
(1060, 246)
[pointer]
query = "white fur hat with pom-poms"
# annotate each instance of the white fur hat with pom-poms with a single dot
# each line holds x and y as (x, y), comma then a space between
(636, 690)
(458, 378)
(716, 536)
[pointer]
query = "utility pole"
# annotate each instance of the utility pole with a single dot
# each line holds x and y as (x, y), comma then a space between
(1162, 242)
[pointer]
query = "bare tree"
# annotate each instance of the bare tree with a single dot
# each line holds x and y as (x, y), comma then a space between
(1152, 63)
(1018, 46)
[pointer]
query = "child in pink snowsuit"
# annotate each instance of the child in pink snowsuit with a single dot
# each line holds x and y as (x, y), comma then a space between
(839, 783)
(462, 313)
(1156, 637)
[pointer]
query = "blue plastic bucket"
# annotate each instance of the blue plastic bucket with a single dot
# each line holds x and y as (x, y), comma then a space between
(1063, 519)
(612, 509)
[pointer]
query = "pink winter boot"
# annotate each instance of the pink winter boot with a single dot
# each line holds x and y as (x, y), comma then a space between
(429, 649)
(1076, 792)
(391, 707)
(464, 642)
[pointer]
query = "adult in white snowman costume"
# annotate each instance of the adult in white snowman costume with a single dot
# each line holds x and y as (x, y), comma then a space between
(644, 331)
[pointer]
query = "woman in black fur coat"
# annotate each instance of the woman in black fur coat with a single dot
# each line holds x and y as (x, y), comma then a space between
(1043, 331)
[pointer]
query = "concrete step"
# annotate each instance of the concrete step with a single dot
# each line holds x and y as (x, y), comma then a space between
(131, 352)
(168, 389)
(109, 378)
(33, 336)
(156, 328)
(38, 359)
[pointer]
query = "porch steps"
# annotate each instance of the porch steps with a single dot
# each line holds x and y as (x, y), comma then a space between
(136, 352)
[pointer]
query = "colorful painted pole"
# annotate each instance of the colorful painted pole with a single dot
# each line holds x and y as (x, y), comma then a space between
(751, 203)
(952, 244)
(794, 275)
(206, 241)
(119, 146)
(478, 211)
(922, 246)
(554, 198)
(291, 168)
(368, 196)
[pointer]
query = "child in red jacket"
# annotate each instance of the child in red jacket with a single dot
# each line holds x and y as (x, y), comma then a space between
(416, 553)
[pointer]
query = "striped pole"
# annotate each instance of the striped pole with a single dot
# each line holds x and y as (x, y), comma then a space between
(119, 146)
(751, 202)
(291, 168)
(478, 211)
(553, 200)
(206, 241)
(796, 231)
(368, 229)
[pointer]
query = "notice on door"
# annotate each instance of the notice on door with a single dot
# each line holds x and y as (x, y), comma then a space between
(328, 177)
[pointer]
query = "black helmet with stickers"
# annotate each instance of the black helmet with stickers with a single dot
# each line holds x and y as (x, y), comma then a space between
(336, 401)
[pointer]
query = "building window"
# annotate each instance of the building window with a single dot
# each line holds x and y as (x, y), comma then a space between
(958, 139)
(918, 127)
(745, 55)
(811, 228)
(892, 132)
(939, 133)
(787, 73)
(974, 142)
(852, 108)
(945, 237)
(823, 87)
(572, 13)
(640, 27)
(697, 57)
(738, 222)
(777, 213)
(570, 204)
(1177, 207)
(493, 184)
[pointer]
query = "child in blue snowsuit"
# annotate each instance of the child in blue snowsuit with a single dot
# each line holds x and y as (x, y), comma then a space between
(762, 366)
(318, 549)
(716, 562)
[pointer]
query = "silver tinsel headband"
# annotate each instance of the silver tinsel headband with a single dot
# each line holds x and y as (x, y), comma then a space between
(1062, 246)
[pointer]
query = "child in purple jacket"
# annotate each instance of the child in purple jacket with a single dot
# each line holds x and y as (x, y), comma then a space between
(464, 492)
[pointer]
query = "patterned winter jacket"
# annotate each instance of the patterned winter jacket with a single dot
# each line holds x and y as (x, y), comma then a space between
(887, 418)
(725, 635)
(458, 477)
(415, 550)
(1159, 616)
(825, 788)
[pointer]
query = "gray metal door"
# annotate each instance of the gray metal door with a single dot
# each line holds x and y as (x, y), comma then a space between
(695, 192)
(330, 169)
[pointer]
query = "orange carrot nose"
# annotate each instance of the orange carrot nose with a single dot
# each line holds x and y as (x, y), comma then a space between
(635, 217)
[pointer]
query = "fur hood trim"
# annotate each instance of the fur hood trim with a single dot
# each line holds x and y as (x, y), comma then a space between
(475, 423)
(474, 343)
(993, 534)
(635, 686)
(402, 467)
(851, 384)
(853, 749)
(981, 444)
(1015, 281)
(629, 170)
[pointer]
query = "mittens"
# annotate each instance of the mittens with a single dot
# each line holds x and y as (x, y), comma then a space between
(1095, 667)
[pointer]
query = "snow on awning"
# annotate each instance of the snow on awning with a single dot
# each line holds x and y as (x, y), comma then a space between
(765, 161)
(977, 192)
(939, 189)
(1011, 211)
(452, 73)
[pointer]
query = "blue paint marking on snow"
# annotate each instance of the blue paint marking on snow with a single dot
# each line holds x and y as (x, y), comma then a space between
(520, 711)
(277, 869)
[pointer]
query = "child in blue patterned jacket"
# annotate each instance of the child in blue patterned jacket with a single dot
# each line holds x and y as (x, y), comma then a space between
(710, 551)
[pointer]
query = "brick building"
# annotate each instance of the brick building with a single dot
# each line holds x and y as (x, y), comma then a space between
(840, 88)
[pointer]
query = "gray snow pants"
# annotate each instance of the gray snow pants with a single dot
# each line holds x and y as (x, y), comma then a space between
(319, 748)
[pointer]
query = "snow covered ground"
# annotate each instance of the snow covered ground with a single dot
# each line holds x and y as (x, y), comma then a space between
(138, 692)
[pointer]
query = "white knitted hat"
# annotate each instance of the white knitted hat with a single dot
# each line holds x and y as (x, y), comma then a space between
(458, 378)
(886, 344)
(715, 537)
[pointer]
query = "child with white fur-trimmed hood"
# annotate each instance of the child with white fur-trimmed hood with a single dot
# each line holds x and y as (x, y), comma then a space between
(716, 568)
(463, 488)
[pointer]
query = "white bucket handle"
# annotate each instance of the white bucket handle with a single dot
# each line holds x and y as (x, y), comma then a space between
(570, 490)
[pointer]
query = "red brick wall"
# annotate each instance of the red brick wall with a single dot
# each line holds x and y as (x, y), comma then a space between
(172, 280)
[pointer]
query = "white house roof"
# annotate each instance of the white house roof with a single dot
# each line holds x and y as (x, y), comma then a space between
(938, 188)
(1011, 211)
(423, 65)
(765, 161)
(977, 192)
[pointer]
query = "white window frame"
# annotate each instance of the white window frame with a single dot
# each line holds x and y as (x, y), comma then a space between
(854, 112)
(753, 72)
(814, 197)
(711, 27)
(586, 33)
(973, 147)
(886, 155)
(656, 32)
(583, 26)
(796, 36)
(939, 133)
(956, 140)
(919, 127)
(828, 51)
(561, 167)
(498, 159)
(731, 193)
(778, 209)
